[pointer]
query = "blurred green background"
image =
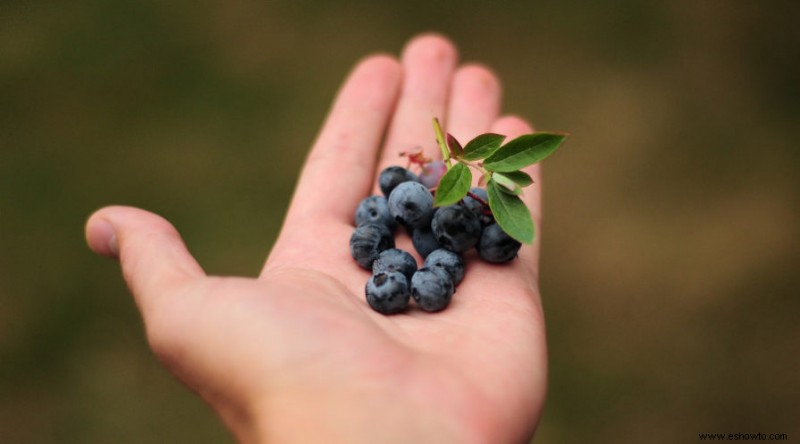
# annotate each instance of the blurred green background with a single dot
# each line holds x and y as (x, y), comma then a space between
(671, 269)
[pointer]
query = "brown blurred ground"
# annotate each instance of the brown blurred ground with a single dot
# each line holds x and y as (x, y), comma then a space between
(671, 259)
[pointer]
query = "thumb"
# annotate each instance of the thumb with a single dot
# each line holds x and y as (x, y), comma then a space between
(152, 254)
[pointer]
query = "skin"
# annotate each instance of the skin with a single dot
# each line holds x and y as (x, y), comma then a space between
(297, 355)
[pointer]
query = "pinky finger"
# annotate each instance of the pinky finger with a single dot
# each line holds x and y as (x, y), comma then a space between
(513, 127)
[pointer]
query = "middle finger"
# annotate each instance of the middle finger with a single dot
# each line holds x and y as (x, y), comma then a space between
(428, 63)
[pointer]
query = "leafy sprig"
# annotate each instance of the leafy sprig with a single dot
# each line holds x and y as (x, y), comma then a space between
(500, 168)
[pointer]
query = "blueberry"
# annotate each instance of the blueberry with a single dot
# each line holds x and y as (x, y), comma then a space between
(393, 176)
(456, 228)
(411, 204)
(395, 260)
(424, 241)
(388, 293)
(432, 172)
(375, 209)
(496, 246)
(482, 211)
(432, 288)
(367, 241)
(448, 261)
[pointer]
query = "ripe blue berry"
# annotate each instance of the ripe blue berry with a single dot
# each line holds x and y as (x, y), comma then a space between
(367, 242)
(375, 209)
(496, 246)
(432, 289)
(456, 228)
(411, 204)
(424, 241)
(388, 293)
(432, 172)
(395, 260)
(448, 261)
(393, 176)
(482, 211)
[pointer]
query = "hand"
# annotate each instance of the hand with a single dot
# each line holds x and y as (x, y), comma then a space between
(297, 355)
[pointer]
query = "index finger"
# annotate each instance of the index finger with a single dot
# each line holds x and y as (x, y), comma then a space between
(340, 168)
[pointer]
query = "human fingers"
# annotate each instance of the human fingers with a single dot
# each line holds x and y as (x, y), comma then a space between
(513, 127)
(474, 102)
(428, 63)
(339, 170)
(153, 257)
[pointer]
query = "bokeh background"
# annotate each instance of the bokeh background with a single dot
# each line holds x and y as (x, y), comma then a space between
(671, 269)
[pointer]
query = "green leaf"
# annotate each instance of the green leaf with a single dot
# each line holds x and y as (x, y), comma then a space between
(507, 184)
(483, 146)
(453, 186)
(523, 151)
(455, 148)
(510, 213)
(519, 177)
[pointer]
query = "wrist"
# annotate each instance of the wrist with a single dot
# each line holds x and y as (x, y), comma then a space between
(352, 418)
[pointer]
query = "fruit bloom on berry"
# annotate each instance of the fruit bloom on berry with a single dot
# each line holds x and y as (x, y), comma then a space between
(393, 176)
(448, 261)
(411, 204)
(432, 289)
(367, 242)
(394, 259)
(388, 293)
(375, 209)
(456, 228)
(496, 246)
(424, 241)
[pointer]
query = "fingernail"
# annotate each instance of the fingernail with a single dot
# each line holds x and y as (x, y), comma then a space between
(104, 238)
(113, 245)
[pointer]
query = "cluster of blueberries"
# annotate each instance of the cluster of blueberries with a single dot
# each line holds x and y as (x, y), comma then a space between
(440, 236)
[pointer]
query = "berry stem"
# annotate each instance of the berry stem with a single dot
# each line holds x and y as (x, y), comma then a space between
(476, 165)
(442, 143)
(476, 197)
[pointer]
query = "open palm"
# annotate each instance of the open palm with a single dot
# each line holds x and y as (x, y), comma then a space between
(297, 354)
